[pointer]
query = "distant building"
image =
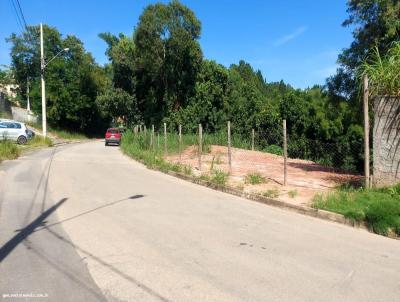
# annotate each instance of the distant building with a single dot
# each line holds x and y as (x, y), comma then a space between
(10, 90)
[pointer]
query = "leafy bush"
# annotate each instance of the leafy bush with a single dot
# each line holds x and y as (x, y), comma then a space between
(274, 149)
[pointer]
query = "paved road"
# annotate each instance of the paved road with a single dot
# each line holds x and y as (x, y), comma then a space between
(109, 229)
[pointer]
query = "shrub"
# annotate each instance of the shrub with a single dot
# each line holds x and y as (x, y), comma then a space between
(274, 149)
(219, 177)
(271, 193)
(254, 178)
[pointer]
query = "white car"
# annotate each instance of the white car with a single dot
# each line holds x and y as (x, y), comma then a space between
(13, 130)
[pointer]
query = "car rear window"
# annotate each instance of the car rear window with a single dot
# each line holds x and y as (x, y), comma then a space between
(112, 131)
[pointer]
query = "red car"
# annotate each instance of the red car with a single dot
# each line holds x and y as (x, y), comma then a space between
(113, 136)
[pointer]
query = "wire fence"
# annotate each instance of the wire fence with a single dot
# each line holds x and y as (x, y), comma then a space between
(274, 155)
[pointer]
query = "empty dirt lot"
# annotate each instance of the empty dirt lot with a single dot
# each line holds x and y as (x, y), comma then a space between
(305, 178)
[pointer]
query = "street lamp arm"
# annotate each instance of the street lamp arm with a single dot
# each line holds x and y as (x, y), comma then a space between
(45, 64)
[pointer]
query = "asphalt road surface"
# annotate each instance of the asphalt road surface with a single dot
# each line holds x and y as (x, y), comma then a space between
(85, 223)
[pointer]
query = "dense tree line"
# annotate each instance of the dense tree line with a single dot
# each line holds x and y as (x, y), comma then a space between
(159, 75)
(73, 79)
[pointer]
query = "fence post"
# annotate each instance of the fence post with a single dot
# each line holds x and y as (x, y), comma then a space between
(152, 137)
(165, 139)
(366, 133)
(284, 154)
(252, 139)
(158, 139)
(229, 147)
(200, 151)
(180, 142)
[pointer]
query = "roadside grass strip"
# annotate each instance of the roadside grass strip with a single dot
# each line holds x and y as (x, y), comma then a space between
(8, 150)
(378, 208)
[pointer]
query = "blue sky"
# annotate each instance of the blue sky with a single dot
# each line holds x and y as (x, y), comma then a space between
(297, 41)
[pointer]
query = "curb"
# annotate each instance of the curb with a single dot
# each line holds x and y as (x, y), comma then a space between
(316, 213)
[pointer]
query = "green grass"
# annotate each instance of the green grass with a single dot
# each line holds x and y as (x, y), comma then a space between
(64, 134)
(187, 170)
(292, 193)
(274, 149)
(11, 150)
(8, 150)
(271, 193)
(379, 208)
(39, 141)
(383, 71)
(254, 178)
(139, 147)
(219, 177)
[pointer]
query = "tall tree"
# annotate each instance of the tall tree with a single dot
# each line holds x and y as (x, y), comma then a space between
(168, 58)
(375, 23)
(73, 79)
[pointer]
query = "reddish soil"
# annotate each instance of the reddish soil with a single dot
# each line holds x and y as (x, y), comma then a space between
(305, 178)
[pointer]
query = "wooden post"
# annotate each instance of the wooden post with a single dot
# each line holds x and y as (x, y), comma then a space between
(366, 133)
(252, 139)
(152, 137)
(145, 134)
(229, 147)
(158, 140)
(165, 139)
(200, 145)
(180, 142)
(284, 154)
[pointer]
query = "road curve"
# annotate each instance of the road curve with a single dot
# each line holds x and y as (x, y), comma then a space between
(109, 229)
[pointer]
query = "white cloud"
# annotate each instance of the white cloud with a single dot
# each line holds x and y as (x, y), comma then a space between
(285, 39)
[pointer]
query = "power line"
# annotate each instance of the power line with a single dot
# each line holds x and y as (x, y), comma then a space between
(22, 20)
(22, 14)
(18, 18)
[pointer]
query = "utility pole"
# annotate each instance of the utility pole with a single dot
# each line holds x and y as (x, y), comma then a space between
(42, 66)
(28, 105)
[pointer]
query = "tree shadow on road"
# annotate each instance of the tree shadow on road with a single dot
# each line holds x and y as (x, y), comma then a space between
(90, 211)
(22, 234)
(39, 224)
